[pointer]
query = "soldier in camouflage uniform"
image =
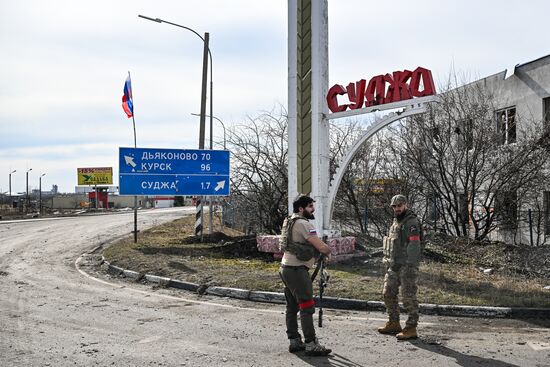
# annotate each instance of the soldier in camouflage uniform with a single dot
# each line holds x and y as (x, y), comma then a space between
(402, 251)
(300, 244)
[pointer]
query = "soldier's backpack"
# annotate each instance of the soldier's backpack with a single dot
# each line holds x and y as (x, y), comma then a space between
(302, 251)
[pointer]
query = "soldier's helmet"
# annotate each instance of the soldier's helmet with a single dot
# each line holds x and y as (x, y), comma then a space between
(398, 200)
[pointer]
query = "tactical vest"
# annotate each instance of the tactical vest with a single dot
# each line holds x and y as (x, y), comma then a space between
(302, 251)
(394, 244)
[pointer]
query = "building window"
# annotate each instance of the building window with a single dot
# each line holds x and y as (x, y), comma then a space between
(465, 131)
(546, 208)
(506, 125)
(546, 112)
(432, 207)
(506, 208)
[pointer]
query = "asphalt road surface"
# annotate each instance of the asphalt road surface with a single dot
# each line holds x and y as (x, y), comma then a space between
(55, 312)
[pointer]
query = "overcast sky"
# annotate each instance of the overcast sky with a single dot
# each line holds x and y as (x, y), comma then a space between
(63, 65)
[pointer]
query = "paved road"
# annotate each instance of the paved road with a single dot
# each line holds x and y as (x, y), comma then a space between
(53, 313)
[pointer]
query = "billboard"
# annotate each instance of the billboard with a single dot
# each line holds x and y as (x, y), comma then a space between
(95, 176)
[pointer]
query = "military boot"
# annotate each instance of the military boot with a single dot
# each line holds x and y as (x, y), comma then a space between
(315, 349)
(296, 345)
(391, 328)
(409, 332)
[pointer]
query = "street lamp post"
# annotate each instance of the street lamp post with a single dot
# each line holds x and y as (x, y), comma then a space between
(10, 186)
(40, 193)
(206, 53)
(223, 126)
(210, 212)
(27, 190)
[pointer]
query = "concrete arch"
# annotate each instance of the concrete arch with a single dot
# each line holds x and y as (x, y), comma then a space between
(377, 126)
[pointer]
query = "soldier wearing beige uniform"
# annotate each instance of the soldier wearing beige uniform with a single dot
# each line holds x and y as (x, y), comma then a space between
(402, 251)
(300, 244)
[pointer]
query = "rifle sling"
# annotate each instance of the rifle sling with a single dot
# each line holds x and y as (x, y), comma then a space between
(318, 267)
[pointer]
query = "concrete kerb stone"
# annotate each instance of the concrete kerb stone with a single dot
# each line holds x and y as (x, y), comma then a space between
(157, 279)
(341, 303)
(132, 274)
(466, 311)
(376, 306)
(174, 283)
(118, 271)
(228, 292)
(267, 297)
(538, 313)
(113, 269)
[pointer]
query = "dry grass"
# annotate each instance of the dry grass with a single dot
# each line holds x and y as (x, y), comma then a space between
(171, 250)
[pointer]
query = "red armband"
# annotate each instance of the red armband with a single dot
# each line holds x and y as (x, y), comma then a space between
(306, 304)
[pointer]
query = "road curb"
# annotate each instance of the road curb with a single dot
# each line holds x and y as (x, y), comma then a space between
(174, 283)
(336, 302)
(228, 292)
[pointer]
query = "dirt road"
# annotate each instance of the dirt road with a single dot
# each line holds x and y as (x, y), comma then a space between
(56, 314)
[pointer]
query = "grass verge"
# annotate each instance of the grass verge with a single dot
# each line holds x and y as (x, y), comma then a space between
(229, 259)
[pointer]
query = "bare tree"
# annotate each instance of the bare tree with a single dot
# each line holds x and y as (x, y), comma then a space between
(259, 178)
(475, 176)
(347, 209)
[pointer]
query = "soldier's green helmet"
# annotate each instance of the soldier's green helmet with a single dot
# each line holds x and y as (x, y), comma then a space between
(398, 200)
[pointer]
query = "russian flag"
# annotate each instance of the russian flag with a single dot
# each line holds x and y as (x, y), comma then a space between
(127, 101)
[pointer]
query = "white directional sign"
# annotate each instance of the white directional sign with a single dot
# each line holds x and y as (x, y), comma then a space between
(152, 171)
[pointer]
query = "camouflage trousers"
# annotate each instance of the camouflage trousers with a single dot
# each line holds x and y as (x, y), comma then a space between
(406, 277)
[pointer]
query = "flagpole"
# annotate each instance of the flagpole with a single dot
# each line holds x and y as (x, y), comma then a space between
(135, 196)
(135, 146)
(133, 114)
(134, 122)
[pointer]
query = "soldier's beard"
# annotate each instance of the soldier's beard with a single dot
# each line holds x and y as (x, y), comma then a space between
(308, 215)
(400, 215)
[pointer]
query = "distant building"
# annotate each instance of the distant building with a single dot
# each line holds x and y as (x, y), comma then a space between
(86, 189)
(521, 96)
(163, 201)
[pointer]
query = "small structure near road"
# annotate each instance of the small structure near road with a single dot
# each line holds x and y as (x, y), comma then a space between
(343, 248)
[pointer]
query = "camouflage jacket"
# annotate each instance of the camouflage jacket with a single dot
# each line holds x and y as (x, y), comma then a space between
(403, 245)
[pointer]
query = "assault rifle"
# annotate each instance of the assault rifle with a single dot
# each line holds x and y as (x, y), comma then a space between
(323, 281)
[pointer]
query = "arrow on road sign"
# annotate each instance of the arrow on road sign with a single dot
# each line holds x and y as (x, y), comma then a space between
(220, 185)
(129, 161)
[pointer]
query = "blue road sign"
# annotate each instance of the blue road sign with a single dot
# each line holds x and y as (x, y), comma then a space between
(152, 171)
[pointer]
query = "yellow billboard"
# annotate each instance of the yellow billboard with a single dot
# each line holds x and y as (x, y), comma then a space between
(95, 176)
